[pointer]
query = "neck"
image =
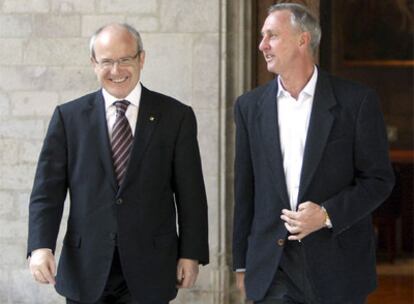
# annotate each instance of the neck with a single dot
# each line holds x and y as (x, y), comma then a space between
(296, 79)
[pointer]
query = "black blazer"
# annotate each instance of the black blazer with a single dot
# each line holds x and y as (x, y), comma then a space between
(164, 176)
(345, 168)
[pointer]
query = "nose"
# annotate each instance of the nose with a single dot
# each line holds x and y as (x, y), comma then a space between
(114, 67)
(264, 44)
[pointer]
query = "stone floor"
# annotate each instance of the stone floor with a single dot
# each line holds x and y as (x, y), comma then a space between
(396, 283)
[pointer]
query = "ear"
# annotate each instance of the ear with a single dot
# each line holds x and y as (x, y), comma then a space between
(142, 59)
(93, 64)
(305, 39)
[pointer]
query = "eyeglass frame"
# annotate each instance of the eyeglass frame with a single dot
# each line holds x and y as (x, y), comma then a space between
(122, 62)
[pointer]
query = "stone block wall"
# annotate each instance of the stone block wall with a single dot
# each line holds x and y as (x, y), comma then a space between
(44, 61)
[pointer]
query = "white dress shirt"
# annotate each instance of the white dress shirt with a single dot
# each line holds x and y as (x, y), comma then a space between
(293, 117)
(131, 112)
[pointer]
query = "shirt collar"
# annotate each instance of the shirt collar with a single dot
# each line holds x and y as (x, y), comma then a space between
(309, 88)
(133, 97)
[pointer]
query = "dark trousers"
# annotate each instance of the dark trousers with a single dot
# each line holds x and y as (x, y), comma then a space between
(290, 284)
(116, 290)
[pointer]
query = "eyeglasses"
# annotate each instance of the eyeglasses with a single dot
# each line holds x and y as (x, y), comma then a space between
(122, 62)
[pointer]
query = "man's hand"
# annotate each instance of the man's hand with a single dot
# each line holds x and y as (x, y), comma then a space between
(187, 271)
(43, 266)
(309, 218)
(240, 283)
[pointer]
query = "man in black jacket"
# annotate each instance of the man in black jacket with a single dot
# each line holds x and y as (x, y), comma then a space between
(130, 160)
(311, 165)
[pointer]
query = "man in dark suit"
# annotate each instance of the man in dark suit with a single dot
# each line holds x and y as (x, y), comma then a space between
(311, 165)
(130, 160)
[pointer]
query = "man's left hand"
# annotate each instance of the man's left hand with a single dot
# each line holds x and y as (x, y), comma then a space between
(309, 218)
(187, 271)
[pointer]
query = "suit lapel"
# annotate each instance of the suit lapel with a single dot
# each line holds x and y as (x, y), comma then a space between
(318, 132)
(99, 123)
(267, 118)
(148, 118)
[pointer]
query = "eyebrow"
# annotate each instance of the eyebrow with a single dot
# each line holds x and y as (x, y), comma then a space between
(270, 32)
(124, 57)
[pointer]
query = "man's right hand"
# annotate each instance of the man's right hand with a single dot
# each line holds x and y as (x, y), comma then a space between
(43, 266)
(240, 283)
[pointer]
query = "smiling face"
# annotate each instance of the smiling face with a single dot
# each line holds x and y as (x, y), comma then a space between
(281, 42)
(114, 43)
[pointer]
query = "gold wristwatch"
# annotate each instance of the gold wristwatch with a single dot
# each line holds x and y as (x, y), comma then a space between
(328, 223)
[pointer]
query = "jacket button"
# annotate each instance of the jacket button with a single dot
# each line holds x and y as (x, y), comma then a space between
(114, 238)
(281, 242)
(119, 201)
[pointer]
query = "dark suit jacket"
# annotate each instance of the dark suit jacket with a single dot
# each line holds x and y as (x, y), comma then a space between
(345, 168)
(164, 176)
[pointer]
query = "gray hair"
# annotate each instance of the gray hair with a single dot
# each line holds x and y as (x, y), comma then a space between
(129, 28)
(302, 19)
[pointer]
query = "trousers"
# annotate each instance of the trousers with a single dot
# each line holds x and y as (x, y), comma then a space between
(291, 285)
(116, 290)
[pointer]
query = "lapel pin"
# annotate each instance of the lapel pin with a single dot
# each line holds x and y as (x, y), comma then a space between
(152, 118)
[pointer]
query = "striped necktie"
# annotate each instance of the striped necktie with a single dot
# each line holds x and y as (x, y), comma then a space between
(121, 140)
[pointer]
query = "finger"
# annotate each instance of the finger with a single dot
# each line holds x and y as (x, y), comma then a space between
(179, 274)
(44, 274)
(39, 277)
(242, 288)
(191, 274)
(48, 275)
(240, 283)
(184, 282)
(193, 278)
(302, 206)
(240, 280)
(40, 274)
(290, 228)
(292, 223)
(53, 267)
(189, 280)
(295, 237)
(295, 230)
(288, 212)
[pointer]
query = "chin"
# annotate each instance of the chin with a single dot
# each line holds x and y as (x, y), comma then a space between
(118, 94)
(272, 70)
(118, 91)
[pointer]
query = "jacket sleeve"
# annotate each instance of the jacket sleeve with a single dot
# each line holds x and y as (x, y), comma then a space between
(374, 178)
(49, 188)
(243, 191)
(190, 192)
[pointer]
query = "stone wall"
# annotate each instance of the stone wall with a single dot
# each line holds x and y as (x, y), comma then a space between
(44, 62)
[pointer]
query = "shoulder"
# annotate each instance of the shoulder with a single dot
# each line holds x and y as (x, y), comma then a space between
(251, 97)
(165, 104)
(346, 88)
(249, 101)
(80, 103)
(164, 101)
(349, 95)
